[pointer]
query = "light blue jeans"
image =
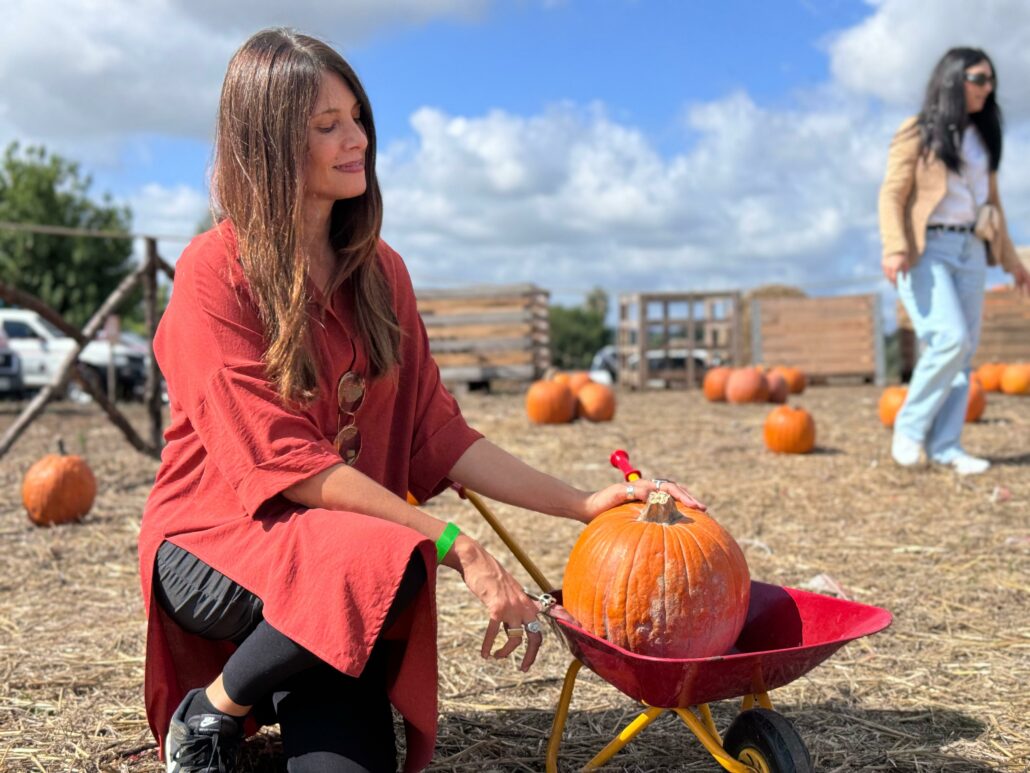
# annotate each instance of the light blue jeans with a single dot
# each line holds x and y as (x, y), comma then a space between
(943, 295)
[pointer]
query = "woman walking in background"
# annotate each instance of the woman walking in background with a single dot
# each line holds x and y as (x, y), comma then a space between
(942, 224)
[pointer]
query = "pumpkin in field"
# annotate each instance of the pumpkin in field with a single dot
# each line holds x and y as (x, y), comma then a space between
(977, 401)
(1015, 379)
(891, 400)
(658, 579)
(574, 380)
(796, 379)
(595, 402)
(550, 402)
(411, 499)
(789, 430)
(58, 488)
(747, 385)
(714, 385)
(990, 375)
(778, 388)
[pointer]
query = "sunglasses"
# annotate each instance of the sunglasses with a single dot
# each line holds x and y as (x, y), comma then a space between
(350, 393)
(979, 78)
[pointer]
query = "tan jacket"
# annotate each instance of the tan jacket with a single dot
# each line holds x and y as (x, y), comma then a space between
(912, 188)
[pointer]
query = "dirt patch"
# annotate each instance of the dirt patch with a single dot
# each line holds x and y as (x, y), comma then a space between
(950, 557)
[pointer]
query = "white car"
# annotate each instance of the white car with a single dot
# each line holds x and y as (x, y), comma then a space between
(42, 348)
(10, 370)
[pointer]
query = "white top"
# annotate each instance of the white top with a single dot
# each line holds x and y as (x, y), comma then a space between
(967, 191)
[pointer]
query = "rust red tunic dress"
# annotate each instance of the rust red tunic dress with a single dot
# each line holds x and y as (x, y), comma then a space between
(326, 577)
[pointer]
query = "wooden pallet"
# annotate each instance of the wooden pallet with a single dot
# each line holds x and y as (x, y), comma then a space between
(1004, 335)
(828, 338)
(481, 333)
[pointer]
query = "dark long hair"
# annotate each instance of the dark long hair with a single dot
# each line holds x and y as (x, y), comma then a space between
(944, 115)
(269, 92)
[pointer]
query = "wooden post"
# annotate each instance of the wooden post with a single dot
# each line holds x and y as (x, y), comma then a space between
(152, 390)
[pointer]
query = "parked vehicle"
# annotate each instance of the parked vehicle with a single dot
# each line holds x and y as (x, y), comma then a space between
(10, 371)
(605, 365)
(42, 348)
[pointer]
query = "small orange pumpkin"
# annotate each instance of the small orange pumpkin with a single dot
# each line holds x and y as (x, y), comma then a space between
(550, 402)
(796, 379)
(789, 430)
(714, 385)
(891, 400)
(977, 401)
(58, 488)
(595, 402)
(747, 385)
(412, 500)
(1015, 379)
(778, 387)
(990, 375)
(658, 579)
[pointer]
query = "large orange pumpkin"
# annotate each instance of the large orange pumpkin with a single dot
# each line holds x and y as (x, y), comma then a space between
(789, 430)
(977, 401)
(778, 387)
(550, 402)
(891, 400)
(595, 402)
(574, 380)
(714, 385)
(747, 385)
(990, 375)
(1015, 379)
(658, 579)
(58, 488)
(796, 379)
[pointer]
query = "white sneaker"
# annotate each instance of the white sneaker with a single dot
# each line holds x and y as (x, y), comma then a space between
(906, 451)
(964, 464)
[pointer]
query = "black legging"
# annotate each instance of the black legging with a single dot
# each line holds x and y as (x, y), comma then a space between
(330, 722)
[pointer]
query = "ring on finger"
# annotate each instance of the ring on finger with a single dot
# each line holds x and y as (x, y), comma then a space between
(516, 632)
(533, 626)
(630, 491)
(658, 483)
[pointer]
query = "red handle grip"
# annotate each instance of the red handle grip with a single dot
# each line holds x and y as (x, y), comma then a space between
(620, 460)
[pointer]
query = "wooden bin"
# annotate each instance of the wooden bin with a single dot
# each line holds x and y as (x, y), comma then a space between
(1004, 335)
(839, 337)
(669, 339)
(481, 333)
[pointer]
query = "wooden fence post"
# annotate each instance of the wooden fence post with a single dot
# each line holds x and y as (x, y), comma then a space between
(152, 392)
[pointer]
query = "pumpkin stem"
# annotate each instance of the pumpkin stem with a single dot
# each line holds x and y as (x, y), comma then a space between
(60, 447)
(661, 508)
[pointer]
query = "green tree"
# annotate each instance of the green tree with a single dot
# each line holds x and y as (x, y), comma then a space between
(578, 332)
(72, 274)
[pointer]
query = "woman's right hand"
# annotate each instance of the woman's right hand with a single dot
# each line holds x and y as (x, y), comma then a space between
(895, 264)
(503, 597)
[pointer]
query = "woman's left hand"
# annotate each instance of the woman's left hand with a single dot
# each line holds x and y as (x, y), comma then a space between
(1022, 279)
(620, 493)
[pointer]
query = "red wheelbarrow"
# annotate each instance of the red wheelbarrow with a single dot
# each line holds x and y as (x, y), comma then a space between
(787, 633)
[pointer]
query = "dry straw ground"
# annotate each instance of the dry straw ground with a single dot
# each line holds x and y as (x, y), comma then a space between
(943, 689)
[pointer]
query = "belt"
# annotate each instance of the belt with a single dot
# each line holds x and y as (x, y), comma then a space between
(961, 229)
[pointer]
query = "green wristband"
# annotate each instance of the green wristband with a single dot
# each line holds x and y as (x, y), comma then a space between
(443, 544)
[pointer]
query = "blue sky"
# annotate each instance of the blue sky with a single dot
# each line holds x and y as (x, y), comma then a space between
(627, 144)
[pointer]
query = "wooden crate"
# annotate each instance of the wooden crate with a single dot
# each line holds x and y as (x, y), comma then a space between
(828, 338)
(1004, 335)
(481, 333)
(669, 339)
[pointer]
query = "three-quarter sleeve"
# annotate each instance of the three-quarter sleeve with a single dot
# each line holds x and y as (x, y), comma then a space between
(210, 346)
(441, 435)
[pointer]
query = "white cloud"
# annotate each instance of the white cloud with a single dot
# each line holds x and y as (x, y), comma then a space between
(890, 54)
(167, 210)
(85, 68)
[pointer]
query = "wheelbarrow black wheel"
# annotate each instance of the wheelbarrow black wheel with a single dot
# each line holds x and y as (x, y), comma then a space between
(768, 742)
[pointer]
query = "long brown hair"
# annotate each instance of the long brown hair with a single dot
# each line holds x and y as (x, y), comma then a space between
(269, 93)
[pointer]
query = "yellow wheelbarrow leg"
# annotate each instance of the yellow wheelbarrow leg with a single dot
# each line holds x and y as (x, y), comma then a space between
(710, 739)
(509, 541)
(560, 715)
(631, 731)
(761, 698)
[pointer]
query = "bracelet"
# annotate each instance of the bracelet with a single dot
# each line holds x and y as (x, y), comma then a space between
(446, 540)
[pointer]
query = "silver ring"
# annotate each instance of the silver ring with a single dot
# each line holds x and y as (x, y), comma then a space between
(658, 483)
(533, 626)
(630, 491)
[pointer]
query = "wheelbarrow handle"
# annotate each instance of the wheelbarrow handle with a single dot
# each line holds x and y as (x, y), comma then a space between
(506, 538)
(620, 460)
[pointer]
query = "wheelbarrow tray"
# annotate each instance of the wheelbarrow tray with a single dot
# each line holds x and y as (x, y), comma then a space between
(788, 632)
